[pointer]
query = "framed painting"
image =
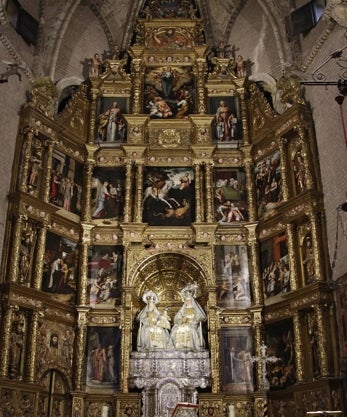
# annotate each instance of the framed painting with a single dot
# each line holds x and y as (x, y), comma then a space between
(280, 343)
(60, 268)
(66, 183)
(274, 262)
(105, 265)
(268, 183)
(107, 194)
(227, 124)
(230, 197)
(111, 125)
(103, 351)
(236, 360)
(168, 196)
(232, 276)
(169, 92)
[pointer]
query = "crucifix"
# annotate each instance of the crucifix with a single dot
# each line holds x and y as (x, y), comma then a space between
(263, 360)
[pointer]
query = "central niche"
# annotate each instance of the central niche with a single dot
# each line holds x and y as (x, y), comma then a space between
(167, 274)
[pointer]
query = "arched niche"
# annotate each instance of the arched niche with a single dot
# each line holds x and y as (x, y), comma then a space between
(167, 274)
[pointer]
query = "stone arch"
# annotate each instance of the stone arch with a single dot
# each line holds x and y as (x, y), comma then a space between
(167, 274)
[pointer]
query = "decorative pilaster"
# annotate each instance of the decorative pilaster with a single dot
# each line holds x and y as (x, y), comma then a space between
(294, 285)
(28, 138)
(298, 339)
(245, 130)
(138, 193)
(255, 270)
(127, 196)
(284, 167)
(16, 241)
(83, 267)
(92, 115)
(208, 182)
(306, 157)
(258, 339)
(88, 172)
(40, 251)
(31, 358)
(80, 341)
(198, 205)
(201, 69)
(323, 345)
(48, 171)
(249, 170)
(314, 224)
(5, 339)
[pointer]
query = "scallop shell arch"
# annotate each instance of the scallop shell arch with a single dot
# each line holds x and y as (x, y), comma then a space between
(167, 274)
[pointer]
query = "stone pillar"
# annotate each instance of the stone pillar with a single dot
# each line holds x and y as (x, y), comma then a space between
(298, 341)
(294, 284)
(284, 167)
(127, 196)
(198, 204)
(139, 192)
(208, 182)
(79, 348)
(40, 252)
(31, 358)
(5, 340)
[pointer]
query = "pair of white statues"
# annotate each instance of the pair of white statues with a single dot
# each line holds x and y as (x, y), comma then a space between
(186, 334)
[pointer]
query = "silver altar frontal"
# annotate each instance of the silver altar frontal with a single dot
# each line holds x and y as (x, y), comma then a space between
(168, 378)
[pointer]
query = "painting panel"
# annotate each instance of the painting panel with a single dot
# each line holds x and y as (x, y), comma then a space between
(274, 262)
(230, 197)
(236, 358)
(107, 194)
(103, 359)
(169, 92)
(268, 183)
(105, 264)
(232, 276)
(169, 196)
(280, 343)
(60, 268)
(227, 124)
(111, 124)
(66, 183)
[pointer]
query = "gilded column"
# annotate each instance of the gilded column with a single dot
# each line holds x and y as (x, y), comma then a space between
(88, 172)
(284, 167)
(298, 342)
(258, 340)
(5, 340)
(306, 157)
(292, 258)
(40, 251)
(126, 323)
(323, 345)
(128, 172)
(79, 348)
(48, 171)
(83, 267)
(245, 131)
(208, 181)
(138, 195)
(31, 358)
(249, 168)
(200, 83)
(137, 71)
(198, 208)
(93, 109)
(28, 137)
(16, 241)
(255, 271)
(314, 223)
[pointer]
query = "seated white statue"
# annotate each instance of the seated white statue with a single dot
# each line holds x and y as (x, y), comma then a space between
(154, 327)
(186, 333)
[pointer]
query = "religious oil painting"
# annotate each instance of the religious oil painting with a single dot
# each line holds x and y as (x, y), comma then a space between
(103, 350)
(66, 183)
(280, 344)
(107, 195)
(169, 92)
(169, 196)
(60, 268)
(274, 262)
(227, 123)
(268, 184)
(229, 196)
(111, 124)
(236, 360)
(232, 276)
(104, 276)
